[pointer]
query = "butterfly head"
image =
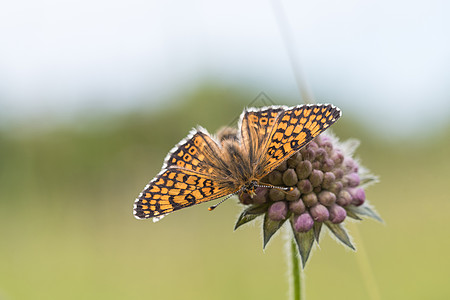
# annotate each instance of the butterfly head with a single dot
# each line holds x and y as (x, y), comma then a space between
(250, 188)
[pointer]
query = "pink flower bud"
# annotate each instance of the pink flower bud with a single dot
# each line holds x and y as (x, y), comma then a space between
(319, 213)
(352, 179)
(293, 195)
(327, 165)
(358, 196)
(290, 177)
(303, 223)
(321, 154)
(276, 178)
(310, 199)
(305, 186)
(344, 198)
(338, 173)
(261, 195)
(297, 207)
(316, 178)
(337, 157)
(294, 160)
(328, 180)
(350, 165)
(276, 195)
(278, 211)
(303, 169)
(309, 153)
(327, 198)
(337, 214)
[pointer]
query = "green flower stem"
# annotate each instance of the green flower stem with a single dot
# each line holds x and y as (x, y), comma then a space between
(296, 273)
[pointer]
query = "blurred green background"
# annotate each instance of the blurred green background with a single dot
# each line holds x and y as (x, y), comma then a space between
(67, 230)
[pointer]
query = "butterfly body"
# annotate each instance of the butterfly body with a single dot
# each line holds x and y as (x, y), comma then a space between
(201, 169)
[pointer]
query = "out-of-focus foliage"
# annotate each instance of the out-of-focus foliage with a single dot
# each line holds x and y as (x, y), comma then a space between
(67, 231)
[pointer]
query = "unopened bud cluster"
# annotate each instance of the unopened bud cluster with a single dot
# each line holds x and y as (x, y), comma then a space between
(323, 180)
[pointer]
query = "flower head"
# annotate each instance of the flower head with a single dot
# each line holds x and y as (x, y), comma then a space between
(327, 186)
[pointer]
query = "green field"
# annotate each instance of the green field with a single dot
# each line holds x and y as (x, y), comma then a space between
(67, 230)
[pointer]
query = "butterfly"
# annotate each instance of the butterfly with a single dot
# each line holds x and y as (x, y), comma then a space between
(200, 168)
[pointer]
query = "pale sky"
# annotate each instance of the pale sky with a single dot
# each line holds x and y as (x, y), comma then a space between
(385, 61)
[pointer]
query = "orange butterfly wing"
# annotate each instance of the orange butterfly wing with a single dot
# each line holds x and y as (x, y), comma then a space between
(176, 188)
(256, 126)
(187, 178)
(293, 129)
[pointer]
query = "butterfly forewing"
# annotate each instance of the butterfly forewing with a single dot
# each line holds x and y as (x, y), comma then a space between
(295, 128)
(176, 188)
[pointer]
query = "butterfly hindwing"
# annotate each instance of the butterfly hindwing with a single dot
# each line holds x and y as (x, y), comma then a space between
(197, 152)
(256, 127)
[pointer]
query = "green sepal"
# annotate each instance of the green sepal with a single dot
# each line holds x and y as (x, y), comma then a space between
(367, 179)
(250, 214)
(317, 228)
(270, 227)
(305, 242)
(352, 215)
(339, 231)
(365, 210)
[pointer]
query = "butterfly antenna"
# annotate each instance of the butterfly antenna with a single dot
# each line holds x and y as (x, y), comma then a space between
(281, 188)
(211, 208)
